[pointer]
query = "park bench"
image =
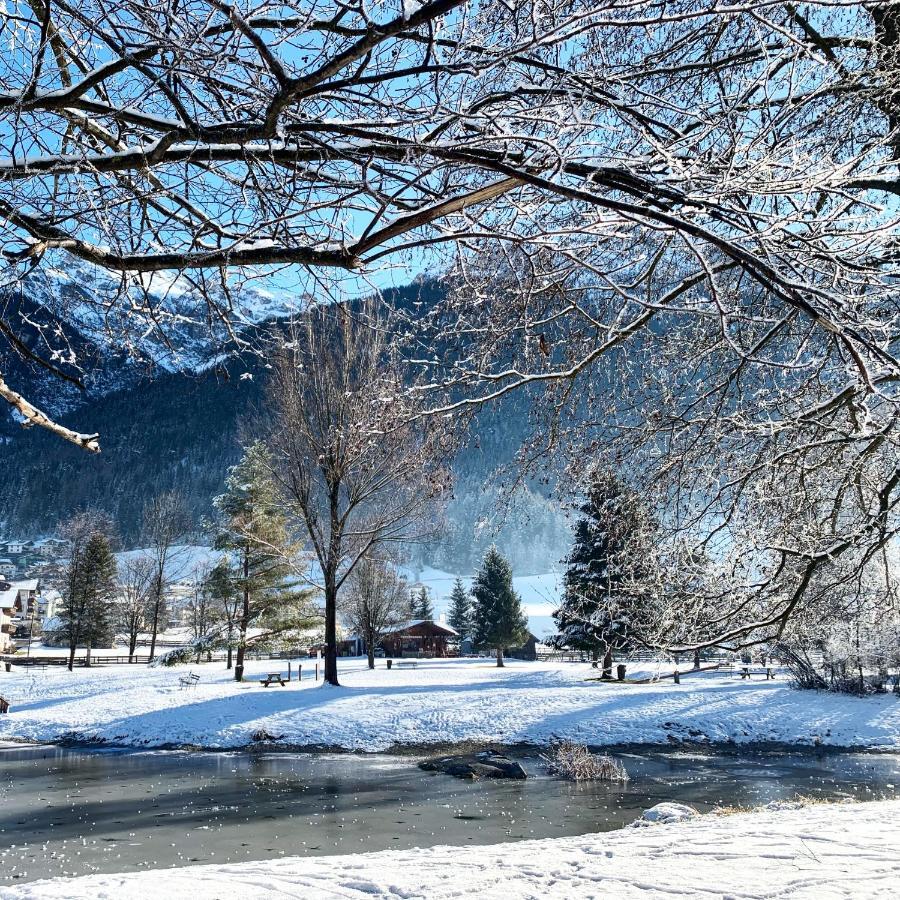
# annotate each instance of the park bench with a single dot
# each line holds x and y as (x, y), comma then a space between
(188, 681)
(272, 678)
(746, 671)
(407, 664)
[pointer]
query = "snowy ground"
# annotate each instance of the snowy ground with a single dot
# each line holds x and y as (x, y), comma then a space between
(818, 852)
(438, 701)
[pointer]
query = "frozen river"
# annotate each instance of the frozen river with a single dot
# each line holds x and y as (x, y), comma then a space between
(73, 812)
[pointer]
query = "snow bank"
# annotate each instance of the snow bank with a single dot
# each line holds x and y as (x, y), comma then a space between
(815, 853)
(438, 701)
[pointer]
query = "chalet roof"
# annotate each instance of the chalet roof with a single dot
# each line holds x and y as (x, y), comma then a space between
(404, 626)
(9, 596)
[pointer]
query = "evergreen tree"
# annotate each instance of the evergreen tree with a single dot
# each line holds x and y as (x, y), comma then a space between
(498, 620)
(460, 613)
(603, 565)
(90, 592)
(423, 608)
(253, 533)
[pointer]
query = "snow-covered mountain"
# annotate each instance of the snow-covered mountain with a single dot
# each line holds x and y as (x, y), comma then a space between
(173, 415)
(111, 333)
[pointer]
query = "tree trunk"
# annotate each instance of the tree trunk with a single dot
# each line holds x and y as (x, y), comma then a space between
(607, 663)
(499, 657)
(71, 655)
(243, 624)
(156, 605)
(87, 656)
(696, 659)
(331, 673)
(370, 646)
(132, 645)
(230, 635)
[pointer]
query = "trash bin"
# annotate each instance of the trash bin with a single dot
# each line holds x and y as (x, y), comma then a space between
(620, 672)
(8, 667)
(389, 663)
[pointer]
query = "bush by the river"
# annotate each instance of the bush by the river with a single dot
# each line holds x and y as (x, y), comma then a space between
(576, 763)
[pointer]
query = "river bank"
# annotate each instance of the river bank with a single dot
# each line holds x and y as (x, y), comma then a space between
(816, 852)
(437, 703)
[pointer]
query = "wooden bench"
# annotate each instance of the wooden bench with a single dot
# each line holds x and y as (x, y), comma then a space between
(769, 671)
(272, 678)
(407, 664)
(188, 681)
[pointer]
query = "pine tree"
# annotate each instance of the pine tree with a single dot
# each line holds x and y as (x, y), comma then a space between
(603, 565)
(498, 620)
(253, 533)
(90, 592)
(423, 608)
(459, 615)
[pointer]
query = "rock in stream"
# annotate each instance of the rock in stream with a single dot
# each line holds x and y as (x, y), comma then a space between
(483, 764)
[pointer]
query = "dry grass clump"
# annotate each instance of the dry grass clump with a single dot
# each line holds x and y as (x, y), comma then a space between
(576, 763)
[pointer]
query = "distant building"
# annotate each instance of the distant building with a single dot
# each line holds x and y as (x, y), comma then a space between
(53, 547)
(17, 601)
(7, 568)
(420, 637)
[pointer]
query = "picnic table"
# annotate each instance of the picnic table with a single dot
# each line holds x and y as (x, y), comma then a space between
(271, 678)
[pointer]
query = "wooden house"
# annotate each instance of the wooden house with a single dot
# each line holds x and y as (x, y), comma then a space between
(420, 637)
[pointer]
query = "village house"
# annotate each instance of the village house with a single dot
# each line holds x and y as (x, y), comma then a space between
(7, 568)
(420, 637)
(19, 601)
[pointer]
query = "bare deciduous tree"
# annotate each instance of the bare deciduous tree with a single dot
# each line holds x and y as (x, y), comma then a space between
(375, 600)
(202, 607)
(658, 150)
(685, 207)
(359, 472)
(166, 522)
(135, 576)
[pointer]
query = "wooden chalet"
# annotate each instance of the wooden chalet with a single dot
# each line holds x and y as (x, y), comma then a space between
(420, 637)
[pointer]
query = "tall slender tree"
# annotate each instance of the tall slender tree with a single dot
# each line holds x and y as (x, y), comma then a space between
(166, 524)
(221, 588)
(203, 609)
(134, 609)
(600, 596)
(376, 599)
(498, 620)
(90, 591)
(423, 608)
(459, 615)
(253, 533)
(359, 469)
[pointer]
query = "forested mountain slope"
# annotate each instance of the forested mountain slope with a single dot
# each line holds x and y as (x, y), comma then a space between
(164, 430)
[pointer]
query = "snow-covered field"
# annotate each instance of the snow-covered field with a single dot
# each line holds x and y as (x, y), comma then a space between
(818, 853)
(438, 701)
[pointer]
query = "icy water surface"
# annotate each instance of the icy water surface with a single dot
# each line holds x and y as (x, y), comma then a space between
(71, 812)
